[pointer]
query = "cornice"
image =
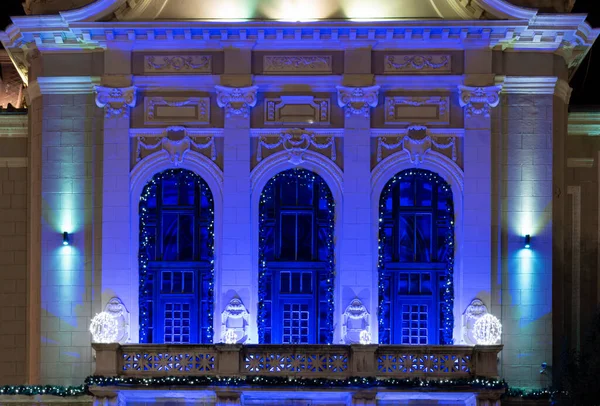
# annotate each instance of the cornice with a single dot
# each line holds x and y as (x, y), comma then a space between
(529, 85)
(276, 132)
(400, 132)
(62, 85)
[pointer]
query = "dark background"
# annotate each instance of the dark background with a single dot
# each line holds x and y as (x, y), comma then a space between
(586, 82)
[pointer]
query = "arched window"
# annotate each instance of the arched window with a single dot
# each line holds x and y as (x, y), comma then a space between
(296, 260)
(416, 248)
(176, 259)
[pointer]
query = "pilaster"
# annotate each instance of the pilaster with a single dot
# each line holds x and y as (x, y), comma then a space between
(236, 260)
(357, 277)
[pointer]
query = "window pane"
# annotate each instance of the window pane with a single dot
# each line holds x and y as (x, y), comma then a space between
(169, 240)
(306, 282)
(406, 238)
(187, 193)
(296, 282)
(288, 237)
(186, 237)
(322, 248)
(288, 192)
(423, 238)
(170, 192)
(407, 194)
(424, 193)
(403, 283)
(305, 193)
(305, 237)
(285, 282)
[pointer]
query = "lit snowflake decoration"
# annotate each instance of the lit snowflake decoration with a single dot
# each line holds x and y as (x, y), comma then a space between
(487, 330)
(104, 328)
(230, 336)
(365, 337)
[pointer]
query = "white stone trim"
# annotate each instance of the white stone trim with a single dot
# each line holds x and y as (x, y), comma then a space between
(451, 172)
(358, 100)
(139, 177)
(435, 132)
(14, 162)
(333, 176)
(62, 85)
(535, 85)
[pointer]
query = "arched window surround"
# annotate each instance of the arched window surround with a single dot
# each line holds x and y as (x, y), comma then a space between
(139, 177)
(453, 175)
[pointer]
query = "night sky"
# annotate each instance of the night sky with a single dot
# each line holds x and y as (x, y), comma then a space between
(585, 84)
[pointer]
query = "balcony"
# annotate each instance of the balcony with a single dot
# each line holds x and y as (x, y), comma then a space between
(297, 361)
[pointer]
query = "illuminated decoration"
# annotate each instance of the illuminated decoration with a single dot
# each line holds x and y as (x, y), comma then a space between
(479, 100)
(487, 330)
(235, 320)
(118, 311)
(104, 328)
(355, 321)
(184, 186)
(365, 337)
(474, 311)
(230, 336)
(66, 238)
(528, 241)
(432, 195)
(322, 278)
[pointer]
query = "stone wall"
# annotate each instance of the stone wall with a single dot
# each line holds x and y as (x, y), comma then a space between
(13, 248)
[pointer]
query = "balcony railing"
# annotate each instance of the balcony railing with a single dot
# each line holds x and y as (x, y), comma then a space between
(301, 361)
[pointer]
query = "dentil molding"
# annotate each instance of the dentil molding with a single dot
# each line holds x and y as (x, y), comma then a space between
(236, 101)
(478, 101)
(357, 100)
(115, 100)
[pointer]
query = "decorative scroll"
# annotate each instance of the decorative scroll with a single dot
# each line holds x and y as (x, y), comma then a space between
(415, 147)
(478, 101)
(357, 100)
(417, 63)
(297, 64)
(178, 63)
(191, 110)
(236, 101)
(305, 361)
(355, 320)
(296, 143)
(175, 146)
(299, 110)
(155, 360)
(235, 319)
(115, 100)
(421, 110)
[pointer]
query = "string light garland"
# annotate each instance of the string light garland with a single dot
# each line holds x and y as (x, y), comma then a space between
(447, 288)
(146, 288)
(263, 315)
(52, 390)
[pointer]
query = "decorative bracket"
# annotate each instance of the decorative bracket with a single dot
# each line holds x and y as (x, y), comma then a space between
(479, 100)
(115, 100)
(416, 143)
(296, 143)
(176, 142)
(354, 320)
(236, 101)
(357, 100)
(235, 318)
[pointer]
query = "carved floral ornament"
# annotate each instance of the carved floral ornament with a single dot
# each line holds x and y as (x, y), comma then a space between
(411, 63)
(176, 142)
(236, 101)
(178, 63)
(478, 101)
(115, 100)
(235, 320)
(296, 143)
(297, 64)
(416, 143)
(357, 100)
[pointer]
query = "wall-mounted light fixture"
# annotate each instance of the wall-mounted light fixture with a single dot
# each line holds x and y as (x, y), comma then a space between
(527, 241)
(65, 238)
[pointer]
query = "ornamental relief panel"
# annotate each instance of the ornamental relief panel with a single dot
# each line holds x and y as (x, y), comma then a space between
(177, 110)
(297, 110)
(418, 63)
(177, 64)
(417, 110)
(296, 64)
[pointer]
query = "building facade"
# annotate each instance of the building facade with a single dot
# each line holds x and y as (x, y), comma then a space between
(292, 174)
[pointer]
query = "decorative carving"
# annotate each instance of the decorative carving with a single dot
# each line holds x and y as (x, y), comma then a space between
(296, 143)
(421, 110)
(416, 143)
(235, 318)
(357, 100)
(115, 100)
(236, 101)
(283, 64)
(286, 361)
(479, 100)
(299, 110)
(118, 311)
(417, 63)
(192, 110)
(355, 320)
(178, 63)
(473, 312)
(175, 142)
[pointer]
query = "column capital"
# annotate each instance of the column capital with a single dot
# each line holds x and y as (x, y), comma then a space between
(115, 100)
(236, 101)
(357, 100)
(479, 100)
